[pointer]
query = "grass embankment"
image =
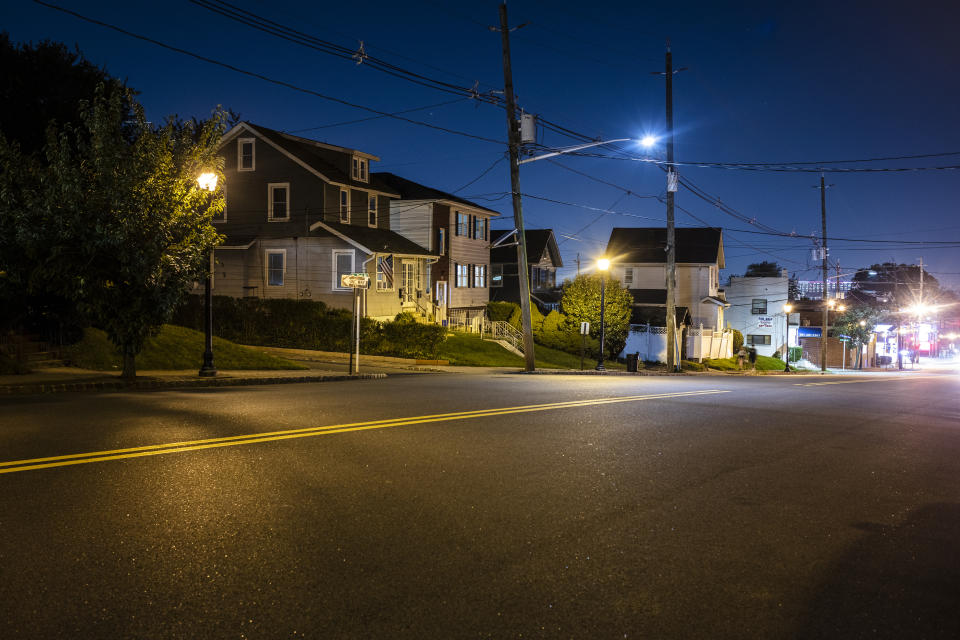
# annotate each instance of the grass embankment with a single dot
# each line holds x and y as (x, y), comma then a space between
(764, 363)
(175, 349)
(467, 349)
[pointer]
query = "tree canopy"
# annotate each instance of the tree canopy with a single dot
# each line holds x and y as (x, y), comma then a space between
(111, 216)
(897, 285)
(581, 303)
(763, 270)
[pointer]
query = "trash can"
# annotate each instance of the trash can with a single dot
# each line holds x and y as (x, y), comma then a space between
(632, 359)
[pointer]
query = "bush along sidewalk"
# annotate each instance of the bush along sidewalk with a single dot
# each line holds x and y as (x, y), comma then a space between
(310, 324)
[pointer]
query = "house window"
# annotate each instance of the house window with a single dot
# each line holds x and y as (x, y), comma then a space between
(759, 306)
(276, 260)
(345, 206)
(342, 265)
(278, 201)
(245, 154)
(480, 275)
(463, 275)
(462, 224)
(441, 241)
(479, 228)
(496, 275)
(385, 273)
(757, 339)
(373, 211)
(359, 169)
(628, 277)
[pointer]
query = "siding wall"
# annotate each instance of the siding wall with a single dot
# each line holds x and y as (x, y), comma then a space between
(693, 283)
(465, 250)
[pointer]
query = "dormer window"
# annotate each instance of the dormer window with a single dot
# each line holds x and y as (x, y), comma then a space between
(246, 160)
(360, 167)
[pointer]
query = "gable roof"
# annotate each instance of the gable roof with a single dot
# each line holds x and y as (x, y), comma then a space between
(410, 190)
(538, 241)
(695, 245)
(372, 240)
(307, 153)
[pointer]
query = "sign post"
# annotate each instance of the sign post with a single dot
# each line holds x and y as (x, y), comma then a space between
(584, 330)
(355, 281)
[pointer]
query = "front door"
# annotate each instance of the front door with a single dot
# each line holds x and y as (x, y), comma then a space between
(409, 282)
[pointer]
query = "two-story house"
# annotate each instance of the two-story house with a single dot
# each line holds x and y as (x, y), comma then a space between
(756, 310)
(457, 232)
(638, 260)
(300, 214)
(543, 258)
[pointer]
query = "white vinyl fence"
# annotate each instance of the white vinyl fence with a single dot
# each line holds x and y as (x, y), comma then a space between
(649, 342)
(708, 344)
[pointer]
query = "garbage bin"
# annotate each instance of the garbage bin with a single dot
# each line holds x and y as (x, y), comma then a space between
(632, 359)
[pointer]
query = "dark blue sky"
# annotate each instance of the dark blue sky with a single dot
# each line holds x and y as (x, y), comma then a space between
(768, 82)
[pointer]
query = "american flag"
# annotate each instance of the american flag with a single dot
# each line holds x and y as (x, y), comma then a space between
(385, 266)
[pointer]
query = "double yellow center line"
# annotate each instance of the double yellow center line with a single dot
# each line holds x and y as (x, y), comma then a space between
(210, 443)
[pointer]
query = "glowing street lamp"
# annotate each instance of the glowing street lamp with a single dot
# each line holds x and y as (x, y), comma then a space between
(208, 182)
(602, 265)
(648, 141)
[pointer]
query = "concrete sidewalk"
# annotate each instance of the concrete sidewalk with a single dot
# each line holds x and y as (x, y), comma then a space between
(60, 379)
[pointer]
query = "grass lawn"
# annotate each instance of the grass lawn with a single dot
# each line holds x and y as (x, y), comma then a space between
(174, 348)
(764, 363)
(467, 349)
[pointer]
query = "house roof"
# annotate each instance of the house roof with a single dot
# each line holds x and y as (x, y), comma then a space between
(309, 152)
(372, 240)
(695, 245)
(410, 190)
(538, 241)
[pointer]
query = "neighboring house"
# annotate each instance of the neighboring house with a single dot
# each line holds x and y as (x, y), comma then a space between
(756, 311)
(543, 258)
(638, 259)
(299, 214)
(457, 232)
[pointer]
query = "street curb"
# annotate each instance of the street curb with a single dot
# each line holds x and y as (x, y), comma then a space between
(594, 372)
(153, 385)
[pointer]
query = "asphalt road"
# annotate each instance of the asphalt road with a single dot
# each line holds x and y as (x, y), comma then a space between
(613, 507)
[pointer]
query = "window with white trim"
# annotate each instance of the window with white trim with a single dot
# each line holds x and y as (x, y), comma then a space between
(372, 211)
(753, 339)
(278, 201)
(275, 262)
(342, 265)
(628, 277)
(759, 306)
(496, 275)
(463, 276)
(480, 276)
(345, 206)
(462, 222)
(246, 160)
(359, 171)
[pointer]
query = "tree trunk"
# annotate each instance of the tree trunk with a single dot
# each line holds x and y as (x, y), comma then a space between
(129, 364)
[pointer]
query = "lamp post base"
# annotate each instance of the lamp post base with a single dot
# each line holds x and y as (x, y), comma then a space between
(600, 367)
(207, 370)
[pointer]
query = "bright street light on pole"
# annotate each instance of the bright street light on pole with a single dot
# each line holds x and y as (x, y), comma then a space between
(208, 182)
(602, 265)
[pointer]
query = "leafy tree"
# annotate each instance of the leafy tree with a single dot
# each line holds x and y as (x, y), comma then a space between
(896, 285)
(113, 217)
(737, 340)
(581, 303)
(849, 324)
(763, 270)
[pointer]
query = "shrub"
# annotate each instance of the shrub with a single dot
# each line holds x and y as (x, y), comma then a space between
(690, 365)
(536, 319)
(501, 311)
(737, 340)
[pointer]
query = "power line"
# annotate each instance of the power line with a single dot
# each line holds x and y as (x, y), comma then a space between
(395, 113)
(260, 76)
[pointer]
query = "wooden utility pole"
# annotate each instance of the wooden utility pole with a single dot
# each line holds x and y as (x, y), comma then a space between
(672, 360)
(513, 139)
(823, 248)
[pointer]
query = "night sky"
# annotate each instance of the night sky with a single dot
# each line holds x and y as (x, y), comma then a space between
(767, 82)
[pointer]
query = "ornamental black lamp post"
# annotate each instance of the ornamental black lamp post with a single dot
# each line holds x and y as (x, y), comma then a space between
(208, 181)
(602, 265)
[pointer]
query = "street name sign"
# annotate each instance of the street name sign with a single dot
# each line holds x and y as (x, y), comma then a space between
(355, 281)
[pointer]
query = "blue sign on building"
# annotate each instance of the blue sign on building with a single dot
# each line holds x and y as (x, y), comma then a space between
(808, 332)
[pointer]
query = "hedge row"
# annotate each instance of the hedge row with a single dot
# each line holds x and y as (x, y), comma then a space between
(309, 324)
